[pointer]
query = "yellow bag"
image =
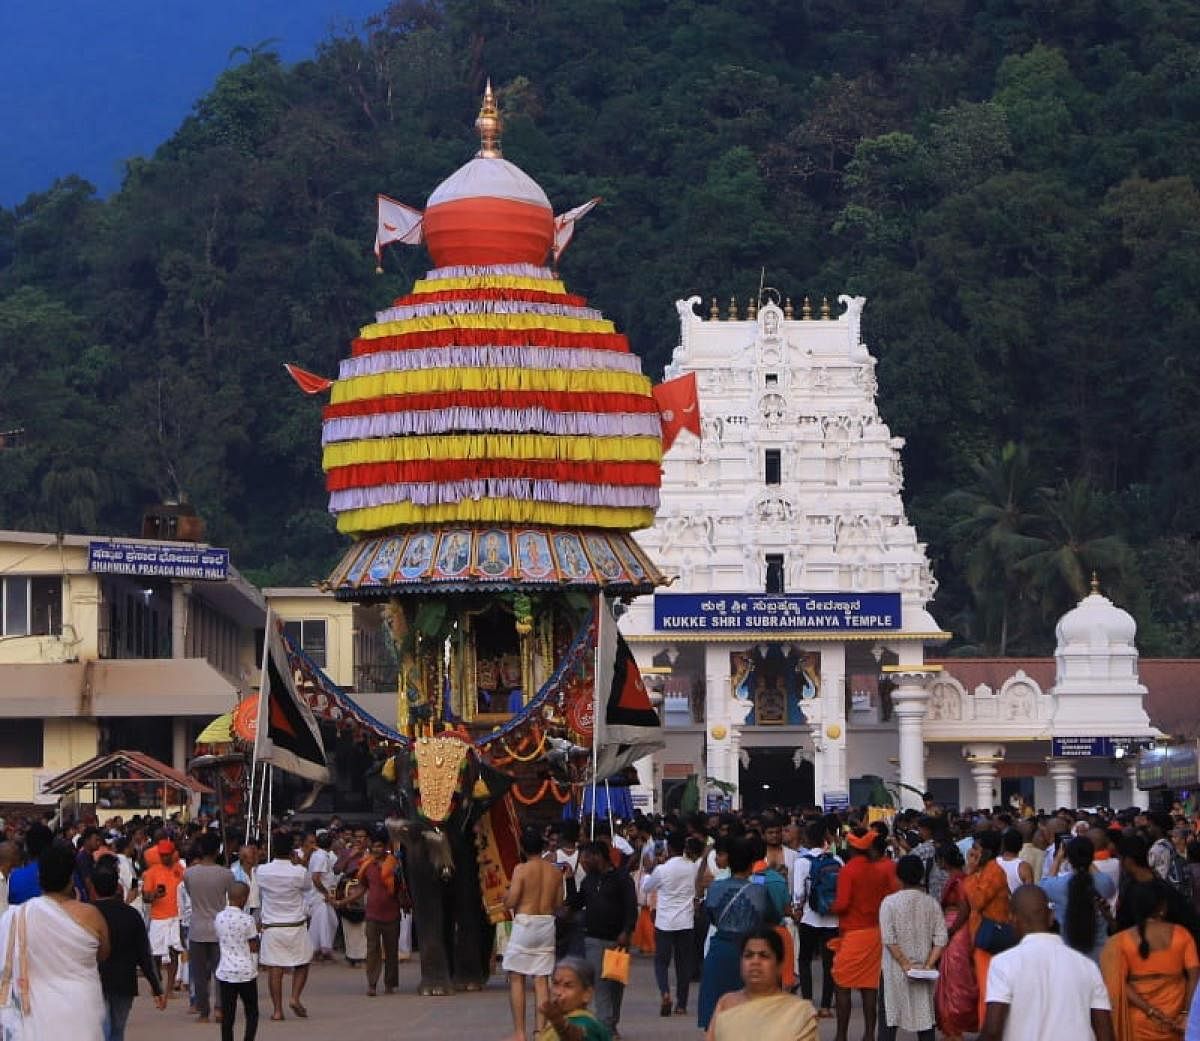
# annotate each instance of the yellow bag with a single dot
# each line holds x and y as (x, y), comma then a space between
(616, 966)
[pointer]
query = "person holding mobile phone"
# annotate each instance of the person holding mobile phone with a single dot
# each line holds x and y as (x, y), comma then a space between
(160, 892)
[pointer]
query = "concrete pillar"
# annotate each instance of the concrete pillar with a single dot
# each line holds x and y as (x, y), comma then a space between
(1137, 797)
(985, 760)
(181, 595)
(1062, 773)
(909, 700)
(830, 771)
(179, 747)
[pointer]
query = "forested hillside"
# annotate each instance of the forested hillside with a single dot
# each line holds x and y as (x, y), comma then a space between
(1012, 183)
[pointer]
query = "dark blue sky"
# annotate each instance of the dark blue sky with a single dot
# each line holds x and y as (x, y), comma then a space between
(85, 84)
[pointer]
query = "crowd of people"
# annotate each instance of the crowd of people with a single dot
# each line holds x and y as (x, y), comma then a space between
(1012, 927)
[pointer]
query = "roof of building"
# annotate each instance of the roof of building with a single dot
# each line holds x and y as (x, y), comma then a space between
(104, 768)
(1173, 684)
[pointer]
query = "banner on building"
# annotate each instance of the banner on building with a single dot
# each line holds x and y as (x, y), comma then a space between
(763, 613)
(165, 560)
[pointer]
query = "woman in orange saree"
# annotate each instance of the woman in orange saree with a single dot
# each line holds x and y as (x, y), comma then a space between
(986, 888)
(1150, 971)
(955, 995)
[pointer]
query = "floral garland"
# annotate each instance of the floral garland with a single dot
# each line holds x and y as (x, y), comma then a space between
(549, 786)
(537, 736)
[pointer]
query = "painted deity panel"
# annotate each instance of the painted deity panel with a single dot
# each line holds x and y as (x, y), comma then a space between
(454, 553)
(418, 555)
(493, 554)
(629, 558)
(572, 562)
(385, 560)
(603, 557)
(533, 554)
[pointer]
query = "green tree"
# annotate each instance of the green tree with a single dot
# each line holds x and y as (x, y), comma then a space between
(1000, 511)
(1076, 540)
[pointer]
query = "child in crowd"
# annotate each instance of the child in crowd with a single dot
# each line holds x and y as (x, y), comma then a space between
(237, 971)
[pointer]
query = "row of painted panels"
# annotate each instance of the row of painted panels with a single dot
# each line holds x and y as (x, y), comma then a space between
(494, 554)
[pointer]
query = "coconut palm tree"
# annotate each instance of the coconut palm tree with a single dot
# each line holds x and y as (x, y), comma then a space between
(1000, 516)
(1075, 541)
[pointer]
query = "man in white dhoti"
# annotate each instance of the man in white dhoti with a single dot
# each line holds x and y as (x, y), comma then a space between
(534, 894)
(283, 887)
(50, 947)
(322, 919)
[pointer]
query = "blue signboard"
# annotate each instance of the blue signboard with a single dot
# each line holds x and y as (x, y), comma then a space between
(836, 802)
(762, 613)
(163, 560)
(1081, 747)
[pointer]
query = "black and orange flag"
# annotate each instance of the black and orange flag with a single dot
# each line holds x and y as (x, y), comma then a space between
(678, 407)
(625, 726)
(287, 734)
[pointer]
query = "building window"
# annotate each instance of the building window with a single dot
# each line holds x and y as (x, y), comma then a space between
(773, 466)
(31, 606)
(21, 742)
(774, 573)
(772, 379)
(309, 635)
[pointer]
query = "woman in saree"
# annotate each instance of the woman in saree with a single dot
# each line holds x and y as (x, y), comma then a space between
(986, 888)
(1150, 970)
(566, 1013)
(50, 947)
(955, 996)
(762, 1009)
(736, 907)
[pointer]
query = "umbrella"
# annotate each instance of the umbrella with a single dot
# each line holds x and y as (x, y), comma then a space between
(218, 732)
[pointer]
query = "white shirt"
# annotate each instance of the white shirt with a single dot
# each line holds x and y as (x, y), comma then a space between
(799, 879)
(1050, 990)
(234, 928)
(675, 883)
(572, 862)
(621, 845)
(282, 887)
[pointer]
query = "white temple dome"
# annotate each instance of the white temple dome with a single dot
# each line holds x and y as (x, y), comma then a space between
(1096, 621)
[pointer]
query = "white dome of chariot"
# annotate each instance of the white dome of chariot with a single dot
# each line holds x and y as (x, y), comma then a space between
(489, 178)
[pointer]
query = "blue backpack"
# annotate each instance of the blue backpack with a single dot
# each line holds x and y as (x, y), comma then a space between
(823, 874)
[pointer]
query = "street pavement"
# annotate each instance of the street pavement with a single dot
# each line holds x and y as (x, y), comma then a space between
(339, 1010)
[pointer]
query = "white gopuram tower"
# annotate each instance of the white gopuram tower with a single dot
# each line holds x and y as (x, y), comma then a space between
(790, 650)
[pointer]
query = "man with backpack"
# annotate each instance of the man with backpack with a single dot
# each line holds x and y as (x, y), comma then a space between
(814, 888)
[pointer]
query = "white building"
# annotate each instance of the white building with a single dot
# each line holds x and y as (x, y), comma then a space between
(791, 649)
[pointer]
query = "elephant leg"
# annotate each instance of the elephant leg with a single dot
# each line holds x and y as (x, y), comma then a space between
(474, 936)
(429, 898)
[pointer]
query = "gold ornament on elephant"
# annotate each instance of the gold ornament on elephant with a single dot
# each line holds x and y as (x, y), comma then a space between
(440, 762)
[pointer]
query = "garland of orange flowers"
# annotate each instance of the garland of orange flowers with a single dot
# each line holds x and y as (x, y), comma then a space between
(539, 738)
(549, 786)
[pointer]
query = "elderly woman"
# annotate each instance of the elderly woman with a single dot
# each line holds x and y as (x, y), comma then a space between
(566, 1013)
(914, 935)
(50, 947)
(761, 1009)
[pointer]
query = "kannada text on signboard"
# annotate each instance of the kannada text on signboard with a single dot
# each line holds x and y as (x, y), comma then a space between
(158, 561)
(749, 612)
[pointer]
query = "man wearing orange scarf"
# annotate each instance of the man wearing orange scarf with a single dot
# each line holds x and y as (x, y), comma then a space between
(866, 879)
(378, 874)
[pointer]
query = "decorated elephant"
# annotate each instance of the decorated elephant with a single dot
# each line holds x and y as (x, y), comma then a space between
(438, 789)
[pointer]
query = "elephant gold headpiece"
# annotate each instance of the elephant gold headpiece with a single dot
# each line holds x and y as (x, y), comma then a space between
(439, 767)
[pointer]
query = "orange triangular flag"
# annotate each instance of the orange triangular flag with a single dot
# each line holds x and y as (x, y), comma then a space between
(679, 407)
(309, 382)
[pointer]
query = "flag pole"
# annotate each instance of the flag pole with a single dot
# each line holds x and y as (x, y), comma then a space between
(596, 708)
(259, 717)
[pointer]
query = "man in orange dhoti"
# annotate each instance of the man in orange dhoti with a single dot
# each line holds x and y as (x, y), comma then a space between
(858, 951)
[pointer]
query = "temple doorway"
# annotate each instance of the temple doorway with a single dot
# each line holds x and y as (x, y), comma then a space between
(773, 779)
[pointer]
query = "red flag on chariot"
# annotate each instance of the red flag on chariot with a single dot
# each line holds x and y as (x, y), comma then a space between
(309, 382)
